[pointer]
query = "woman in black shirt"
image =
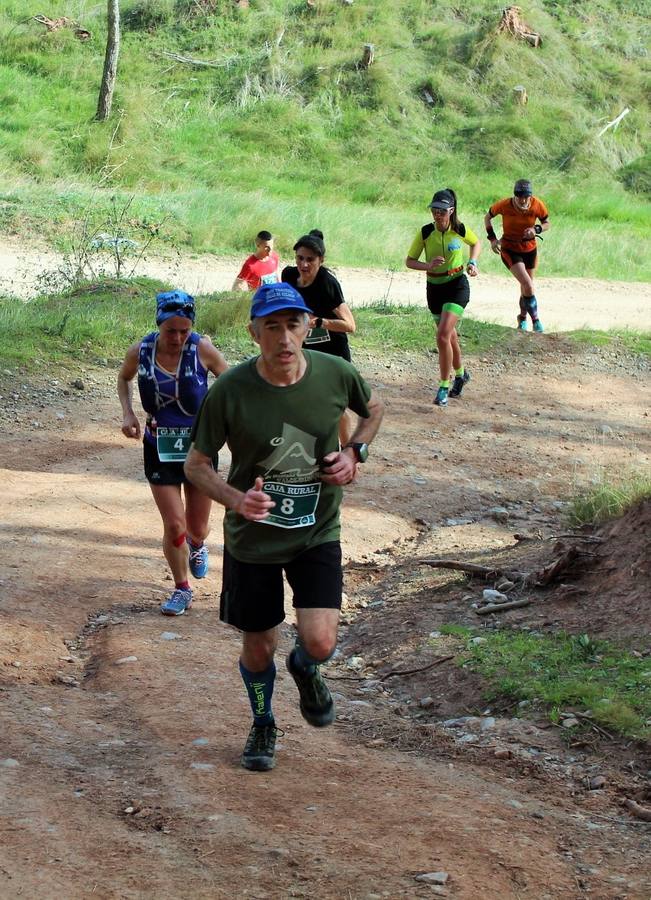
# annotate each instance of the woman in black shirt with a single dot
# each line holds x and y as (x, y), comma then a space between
(332, 320)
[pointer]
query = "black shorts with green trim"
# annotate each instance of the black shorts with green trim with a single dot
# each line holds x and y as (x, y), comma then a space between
(164, 473)
(252, 597)
(511, 257)
(456, 291)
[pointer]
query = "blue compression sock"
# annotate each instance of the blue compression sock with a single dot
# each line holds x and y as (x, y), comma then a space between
(260, 688)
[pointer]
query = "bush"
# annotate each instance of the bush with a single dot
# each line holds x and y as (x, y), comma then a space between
(148, 15)
(636, 176)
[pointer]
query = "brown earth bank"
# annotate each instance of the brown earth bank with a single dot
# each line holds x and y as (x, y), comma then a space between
(122, 730)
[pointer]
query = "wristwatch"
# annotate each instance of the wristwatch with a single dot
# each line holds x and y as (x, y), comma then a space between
(361, 451)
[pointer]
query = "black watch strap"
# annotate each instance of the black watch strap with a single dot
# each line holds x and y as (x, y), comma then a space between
(361, 451)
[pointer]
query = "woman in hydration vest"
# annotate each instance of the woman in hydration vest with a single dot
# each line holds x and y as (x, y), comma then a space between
(448, 291)
(172, 366)
(332, 320)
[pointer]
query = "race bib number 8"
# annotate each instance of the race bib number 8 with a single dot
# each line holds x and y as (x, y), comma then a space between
(172, 444)
(295, 504)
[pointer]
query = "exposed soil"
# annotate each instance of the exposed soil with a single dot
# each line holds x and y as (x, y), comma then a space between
(122, 730)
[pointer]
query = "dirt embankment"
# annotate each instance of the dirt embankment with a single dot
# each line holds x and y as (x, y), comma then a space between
(121, 730)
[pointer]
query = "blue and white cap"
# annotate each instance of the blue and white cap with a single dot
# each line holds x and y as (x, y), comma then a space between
(271, 298)
(174, 303)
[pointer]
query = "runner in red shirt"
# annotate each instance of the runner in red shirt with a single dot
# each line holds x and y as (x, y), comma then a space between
(259, 268)
(524, 217)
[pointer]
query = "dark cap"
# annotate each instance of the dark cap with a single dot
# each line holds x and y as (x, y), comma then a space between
(271, 298)
(442, 200)
(174, 303)
(523, 188)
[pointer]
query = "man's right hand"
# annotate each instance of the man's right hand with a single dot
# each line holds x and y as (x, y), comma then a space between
(495, 246)
(255, 504)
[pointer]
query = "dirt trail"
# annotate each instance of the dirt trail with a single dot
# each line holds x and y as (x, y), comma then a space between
(106, 706)
(565, 303)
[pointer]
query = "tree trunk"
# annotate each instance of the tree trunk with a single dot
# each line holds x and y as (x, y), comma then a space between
(110, 61)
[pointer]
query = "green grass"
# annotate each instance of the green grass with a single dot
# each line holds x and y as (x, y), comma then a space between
(285, 131)
(560, 672)
(100, 320)
(608, 497)
(638, 342)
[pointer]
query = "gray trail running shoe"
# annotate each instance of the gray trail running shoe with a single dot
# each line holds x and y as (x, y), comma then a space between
(317, 705)
(260, 750)
(460, 381)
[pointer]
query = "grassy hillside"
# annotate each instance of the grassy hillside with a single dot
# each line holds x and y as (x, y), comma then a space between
(284, 130)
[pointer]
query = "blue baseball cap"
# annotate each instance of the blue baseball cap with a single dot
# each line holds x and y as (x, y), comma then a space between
(271, 298)
(174, 303)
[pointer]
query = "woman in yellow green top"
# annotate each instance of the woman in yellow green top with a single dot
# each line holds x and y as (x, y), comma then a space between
(448, 290)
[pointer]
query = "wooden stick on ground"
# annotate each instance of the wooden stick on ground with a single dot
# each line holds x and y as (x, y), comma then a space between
(437, 662)
(475, 569)
(500, 607)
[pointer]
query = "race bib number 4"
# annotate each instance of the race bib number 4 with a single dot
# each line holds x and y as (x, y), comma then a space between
(295, 504)
(172, 444)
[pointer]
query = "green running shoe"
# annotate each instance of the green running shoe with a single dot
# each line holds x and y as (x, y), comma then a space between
(260, 749)
(317, 705)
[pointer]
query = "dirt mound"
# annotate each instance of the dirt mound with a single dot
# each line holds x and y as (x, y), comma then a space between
(607, 588)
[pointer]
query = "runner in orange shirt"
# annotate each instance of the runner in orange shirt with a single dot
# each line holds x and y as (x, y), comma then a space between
(517, 246)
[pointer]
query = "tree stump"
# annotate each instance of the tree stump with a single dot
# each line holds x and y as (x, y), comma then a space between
(368, 57)
(512, 23)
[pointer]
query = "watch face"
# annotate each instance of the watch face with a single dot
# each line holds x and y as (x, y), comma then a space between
(362, 452)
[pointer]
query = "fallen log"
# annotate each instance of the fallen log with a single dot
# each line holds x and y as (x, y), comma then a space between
(501, 607)
(475, 569)
(641, 812)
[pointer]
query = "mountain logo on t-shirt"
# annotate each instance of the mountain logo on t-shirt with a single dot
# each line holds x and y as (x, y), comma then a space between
(293, 457)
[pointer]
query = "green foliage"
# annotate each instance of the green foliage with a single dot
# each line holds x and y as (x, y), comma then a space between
(147, 15)
(609, 495)
(283, 123)
(559, 671)
(637, 175)
(411, 328)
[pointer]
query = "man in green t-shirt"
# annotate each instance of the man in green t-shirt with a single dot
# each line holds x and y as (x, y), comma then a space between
(279, 414)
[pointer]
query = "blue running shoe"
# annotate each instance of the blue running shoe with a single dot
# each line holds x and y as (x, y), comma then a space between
(522, 323)
(177, 603)
(441, 398)
(459, 383)
(198, 560)
(538, 326)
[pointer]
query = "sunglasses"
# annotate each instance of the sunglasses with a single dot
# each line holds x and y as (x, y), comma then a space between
(186, 309)
(441, 212)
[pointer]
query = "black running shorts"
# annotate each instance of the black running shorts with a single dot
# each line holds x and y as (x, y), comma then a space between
(252, 597)
(510, 257)
(456, 291)
(164, 473)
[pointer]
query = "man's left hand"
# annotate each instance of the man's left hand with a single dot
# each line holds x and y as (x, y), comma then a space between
(339, 468)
